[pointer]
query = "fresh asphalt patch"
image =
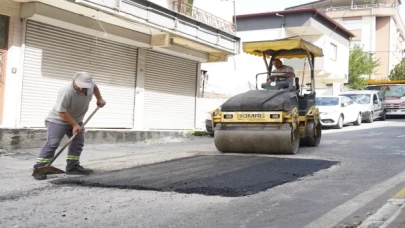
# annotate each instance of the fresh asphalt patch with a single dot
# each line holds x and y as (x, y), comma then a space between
(216, 175)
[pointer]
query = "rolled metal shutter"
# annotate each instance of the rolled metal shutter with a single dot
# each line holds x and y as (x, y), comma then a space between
(53, 55)
(170, 92)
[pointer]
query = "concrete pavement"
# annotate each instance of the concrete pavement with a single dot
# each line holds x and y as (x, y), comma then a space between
(391, 215)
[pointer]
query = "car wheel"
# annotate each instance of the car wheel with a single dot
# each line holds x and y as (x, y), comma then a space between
(358, 121)
(370, 117)
(383, 116)
(340, 122)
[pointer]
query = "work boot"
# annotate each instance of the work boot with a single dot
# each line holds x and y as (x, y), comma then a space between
(78, 170)
(40, 176)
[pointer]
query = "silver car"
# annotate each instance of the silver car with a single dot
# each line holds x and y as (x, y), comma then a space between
(371, 101)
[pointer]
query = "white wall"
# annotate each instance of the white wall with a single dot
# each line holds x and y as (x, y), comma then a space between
(232, 77)
(339, 67)
(298, 64)
(204, 106)
(368, 33)
(395, 56)
(329, 69)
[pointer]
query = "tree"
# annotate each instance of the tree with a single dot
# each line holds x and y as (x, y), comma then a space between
(360, 64)
(398, 73)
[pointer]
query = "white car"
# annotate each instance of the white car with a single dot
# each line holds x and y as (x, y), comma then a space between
(336, 111)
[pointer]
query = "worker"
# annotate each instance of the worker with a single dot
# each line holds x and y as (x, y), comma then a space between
(66, 118)
(282, 71)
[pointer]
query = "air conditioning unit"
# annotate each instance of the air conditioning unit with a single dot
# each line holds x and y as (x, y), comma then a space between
(160, 40)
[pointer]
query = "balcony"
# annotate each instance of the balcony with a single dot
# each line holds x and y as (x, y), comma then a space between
(365, 6)
(204, 17)
(187, 28)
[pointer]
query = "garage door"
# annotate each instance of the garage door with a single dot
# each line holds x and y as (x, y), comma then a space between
(53, 55)
(170, 92)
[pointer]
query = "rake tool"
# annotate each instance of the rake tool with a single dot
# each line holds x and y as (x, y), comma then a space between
(48, 169)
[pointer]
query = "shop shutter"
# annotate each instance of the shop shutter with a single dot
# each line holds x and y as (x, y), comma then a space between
(52, 56)
(170, 92)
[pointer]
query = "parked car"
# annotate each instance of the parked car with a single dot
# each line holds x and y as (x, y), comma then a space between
(336, 111)
(372, 103)
(208, 125)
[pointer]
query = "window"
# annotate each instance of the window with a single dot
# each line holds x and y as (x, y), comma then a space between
(354, 24)
(347, 100)
(327, 101)
(360, 98)
(3, 32)
(333, 51)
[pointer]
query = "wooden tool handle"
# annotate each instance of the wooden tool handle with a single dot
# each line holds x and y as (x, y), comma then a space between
(71, 138)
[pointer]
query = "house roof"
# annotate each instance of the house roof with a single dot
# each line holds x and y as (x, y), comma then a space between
(295, 11)
(305, 4)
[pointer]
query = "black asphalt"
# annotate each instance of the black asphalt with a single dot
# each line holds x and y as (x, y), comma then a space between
(228, 176)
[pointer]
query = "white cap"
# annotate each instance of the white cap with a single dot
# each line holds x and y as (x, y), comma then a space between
(83, 80)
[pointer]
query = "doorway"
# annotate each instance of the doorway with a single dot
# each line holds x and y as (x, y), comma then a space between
(4, 26)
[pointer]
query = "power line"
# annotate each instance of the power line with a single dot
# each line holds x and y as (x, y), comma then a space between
(314, 18)
(337, 25)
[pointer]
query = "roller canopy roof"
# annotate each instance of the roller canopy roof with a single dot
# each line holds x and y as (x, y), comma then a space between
(289, 47)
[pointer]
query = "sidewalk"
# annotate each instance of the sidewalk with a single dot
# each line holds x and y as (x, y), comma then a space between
(397, 220)
(391, 215)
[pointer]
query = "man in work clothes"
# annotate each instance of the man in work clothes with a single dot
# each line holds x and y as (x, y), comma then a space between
(286, 72)
(66, 118)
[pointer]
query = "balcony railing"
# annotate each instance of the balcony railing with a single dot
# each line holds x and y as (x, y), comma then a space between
(366, 6)
(203, 16)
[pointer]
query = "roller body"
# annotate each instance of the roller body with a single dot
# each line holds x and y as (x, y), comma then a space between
(277, 119)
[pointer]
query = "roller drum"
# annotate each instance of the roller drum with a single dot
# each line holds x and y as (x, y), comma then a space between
(257, 139)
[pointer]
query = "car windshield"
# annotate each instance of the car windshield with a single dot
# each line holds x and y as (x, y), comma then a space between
(327, 101)
(389, 90)
(359, 98)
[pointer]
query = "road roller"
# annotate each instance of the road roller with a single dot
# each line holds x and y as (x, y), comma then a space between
(277, 118)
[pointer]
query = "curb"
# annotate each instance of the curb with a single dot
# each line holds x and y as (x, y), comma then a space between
(392, 212)
(12, 139)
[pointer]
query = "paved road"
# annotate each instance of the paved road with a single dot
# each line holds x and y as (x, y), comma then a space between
(189, 184)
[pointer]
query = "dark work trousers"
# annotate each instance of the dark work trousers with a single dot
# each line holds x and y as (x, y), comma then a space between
(55, 134)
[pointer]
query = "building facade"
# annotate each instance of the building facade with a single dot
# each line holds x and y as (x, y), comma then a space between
(331, 71)
(378, 28)
(145, 57)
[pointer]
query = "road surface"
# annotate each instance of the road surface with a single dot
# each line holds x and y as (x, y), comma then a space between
(349, 176)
